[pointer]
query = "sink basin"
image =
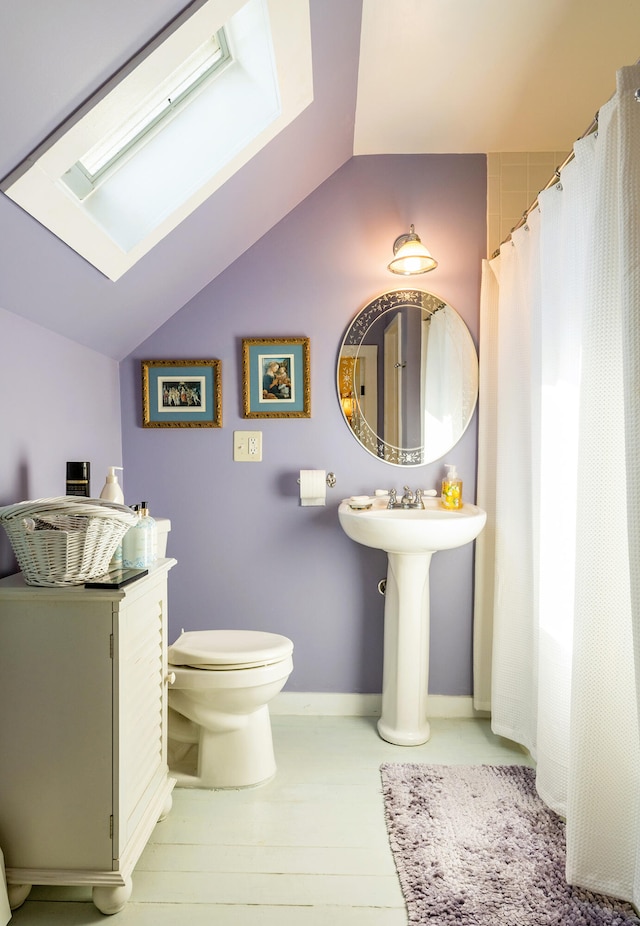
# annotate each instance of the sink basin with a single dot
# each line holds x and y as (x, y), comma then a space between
(400, 530)
(410, 537)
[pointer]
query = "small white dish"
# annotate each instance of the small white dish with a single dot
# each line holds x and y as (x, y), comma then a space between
(360, 502)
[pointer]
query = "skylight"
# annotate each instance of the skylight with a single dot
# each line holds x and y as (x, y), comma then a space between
(163, 136)
(165, 99)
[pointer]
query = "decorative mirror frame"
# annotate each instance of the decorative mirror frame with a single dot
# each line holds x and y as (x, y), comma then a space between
(353, 343)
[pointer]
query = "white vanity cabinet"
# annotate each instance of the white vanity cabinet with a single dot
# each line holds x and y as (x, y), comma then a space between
(83, 711)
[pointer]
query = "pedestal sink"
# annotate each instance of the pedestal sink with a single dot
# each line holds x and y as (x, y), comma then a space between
(410, 537)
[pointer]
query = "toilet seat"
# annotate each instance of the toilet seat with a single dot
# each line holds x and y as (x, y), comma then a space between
(226, 650)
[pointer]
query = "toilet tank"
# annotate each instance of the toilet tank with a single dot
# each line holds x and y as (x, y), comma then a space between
(163, 526)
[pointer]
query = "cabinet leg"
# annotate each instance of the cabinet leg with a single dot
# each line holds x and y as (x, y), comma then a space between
(18, 893)
(166, 809)
(112, 899)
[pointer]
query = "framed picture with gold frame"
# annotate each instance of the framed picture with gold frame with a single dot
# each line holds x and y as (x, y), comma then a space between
(181, 394)
(276, 377)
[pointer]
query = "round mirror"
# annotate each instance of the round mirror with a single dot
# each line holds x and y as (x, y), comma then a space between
(407, 377)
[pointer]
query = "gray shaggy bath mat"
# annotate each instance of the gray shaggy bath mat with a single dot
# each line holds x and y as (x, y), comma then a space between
(475, 846)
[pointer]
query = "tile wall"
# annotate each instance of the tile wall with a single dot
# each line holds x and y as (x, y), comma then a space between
(514, 180)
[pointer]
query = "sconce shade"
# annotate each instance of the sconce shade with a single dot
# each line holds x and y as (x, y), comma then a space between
(411, 256)
(348, 405)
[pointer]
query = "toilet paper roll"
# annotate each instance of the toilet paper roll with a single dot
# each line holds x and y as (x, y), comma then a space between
(313, 487)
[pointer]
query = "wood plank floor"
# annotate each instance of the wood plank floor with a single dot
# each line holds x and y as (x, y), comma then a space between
(310, 848)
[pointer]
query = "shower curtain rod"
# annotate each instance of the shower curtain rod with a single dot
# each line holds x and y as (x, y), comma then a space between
(554, 179)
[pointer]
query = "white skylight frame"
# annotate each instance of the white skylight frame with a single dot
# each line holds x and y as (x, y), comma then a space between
(134, 205)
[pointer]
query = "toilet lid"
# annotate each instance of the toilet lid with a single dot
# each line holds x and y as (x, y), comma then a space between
(228, 649)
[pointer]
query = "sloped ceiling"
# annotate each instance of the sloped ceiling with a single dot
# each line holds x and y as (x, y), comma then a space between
(430, 76)
(494, 75)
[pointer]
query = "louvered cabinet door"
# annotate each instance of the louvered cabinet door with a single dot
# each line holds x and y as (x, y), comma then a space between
(140, 690)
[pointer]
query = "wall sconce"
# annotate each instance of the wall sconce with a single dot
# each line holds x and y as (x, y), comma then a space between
(410, 255)
(347, 371)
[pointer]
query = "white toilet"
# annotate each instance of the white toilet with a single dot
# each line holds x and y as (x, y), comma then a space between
(219, 727)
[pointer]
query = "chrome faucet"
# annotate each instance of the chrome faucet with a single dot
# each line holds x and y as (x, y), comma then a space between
(408, 500)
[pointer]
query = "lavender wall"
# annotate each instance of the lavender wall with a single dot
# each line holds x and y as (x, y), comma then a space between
(61, 402)
(249, 555)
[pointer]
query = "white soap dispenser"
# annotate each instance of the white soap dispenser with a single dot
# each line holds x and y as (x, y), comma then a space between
(111, 490)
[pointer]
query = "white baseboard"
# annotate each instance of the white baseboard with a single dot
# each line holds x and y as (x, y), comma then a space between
(321, 703)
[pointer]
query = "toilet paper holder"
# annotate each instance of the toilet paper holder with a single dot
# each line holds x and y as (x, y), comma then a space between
(330, 480)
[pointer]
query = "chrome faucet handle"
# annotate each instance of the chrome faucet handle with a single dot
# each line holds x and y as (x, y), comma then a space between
(392, 498)
(418, 502)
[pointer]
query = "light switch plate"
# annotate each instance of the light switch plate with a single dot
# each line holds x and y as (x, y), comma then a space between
(247, 446)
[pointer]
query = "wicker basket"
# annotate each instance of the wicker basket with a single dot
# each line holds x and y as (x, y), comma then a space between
(65, 540)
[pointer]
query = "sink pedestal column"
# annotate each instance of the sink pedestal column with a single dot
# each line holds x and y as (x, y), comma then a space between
(405, 677)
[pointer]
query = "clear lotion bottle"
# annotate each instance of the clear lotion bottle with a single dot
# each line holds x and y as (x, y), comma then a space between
(152, 532)
(451, 489)
(139, 546)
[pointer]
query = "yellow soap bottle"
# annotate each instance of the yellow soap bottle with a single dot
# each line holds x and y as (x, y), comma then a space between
(451, 489)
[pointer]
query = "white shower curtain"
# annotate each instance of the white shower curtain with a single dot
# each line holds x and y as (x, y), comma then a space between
(560, 427)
